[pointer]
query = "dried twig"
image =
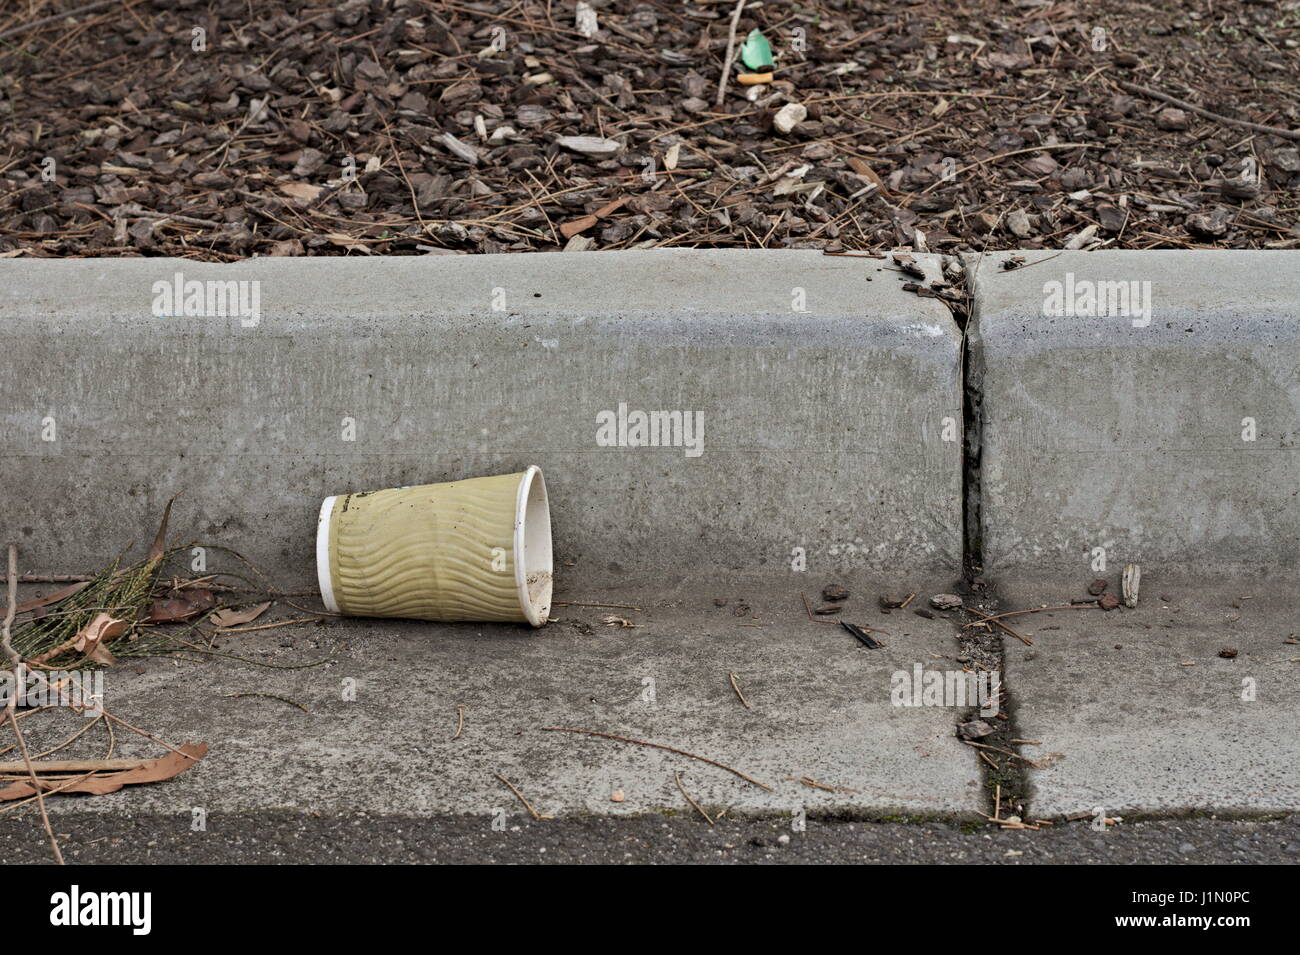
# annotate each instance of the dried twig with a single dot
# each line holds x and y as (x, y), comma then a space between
(697, 806)
(818, 784)
(460, 719)
(670, 749)
(11, 611)
(527, 805)
(11, 708)
(1217, 117)
(1017, 613)
(736, 686)
(1007, 752)
(731, 53)
(76, 765)
(267, 626)
(53, 18)
(578, 603)
(994, 620)
(812, 616)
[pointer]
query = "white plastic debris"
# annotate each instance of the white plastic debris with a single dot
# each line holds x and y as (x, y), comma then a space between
(1129, 582)
(585, 21)
(788, 117)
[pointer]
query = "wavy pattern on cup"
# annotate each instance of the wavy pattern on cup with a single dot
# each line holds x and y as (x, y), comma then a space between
(426, 552)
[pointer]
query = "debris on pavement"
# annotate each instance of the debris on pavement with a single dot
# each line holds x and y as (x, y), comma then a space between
(520, 796)
(835, 593)
(946, 602)
(812, 783)
(1129, 584)
(383, 541)
(976, 729)
(1097, 587)
(665, 748)
(863, 634)
(695, 805)
(229, 617)
(735, 685)
(95, 782)
(181, 606)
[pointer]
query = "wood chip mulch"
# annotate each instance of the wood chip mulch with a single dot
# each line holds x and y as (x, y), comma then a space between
(220, 129)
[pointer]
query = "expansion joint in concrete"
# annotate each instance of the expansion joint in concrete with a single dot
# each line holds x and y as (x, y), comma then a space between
(1005, 778)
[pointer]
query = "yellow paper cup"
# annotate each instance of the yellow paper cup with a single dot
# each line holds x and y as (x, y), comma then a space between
(464, 550)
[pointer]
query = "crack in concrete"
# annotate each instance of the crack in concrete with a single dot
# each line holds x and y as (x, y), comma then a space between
(1006, 779)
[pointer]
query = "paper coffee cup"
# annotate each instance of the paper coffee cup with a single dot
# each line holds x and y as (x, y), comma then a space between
(478, 550)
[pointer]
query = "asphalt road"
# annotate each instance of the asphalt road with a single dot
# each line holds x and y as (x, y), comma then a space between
(291, 837)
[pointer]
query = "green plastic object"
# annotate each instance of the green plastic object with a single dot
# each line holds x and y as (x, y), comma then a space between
(756, 53)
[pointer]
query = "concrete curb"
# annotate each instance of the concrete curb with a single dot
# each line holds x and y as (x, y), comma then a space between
(829, 400)
(1166, 433)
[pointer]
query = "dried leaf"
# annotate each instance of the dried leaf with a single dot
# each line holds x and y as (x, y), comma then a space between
(574, 226)
(92, 639)
(52, 598)
(159, 770)
(172, 609)
(233, 618)
(160, 539)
